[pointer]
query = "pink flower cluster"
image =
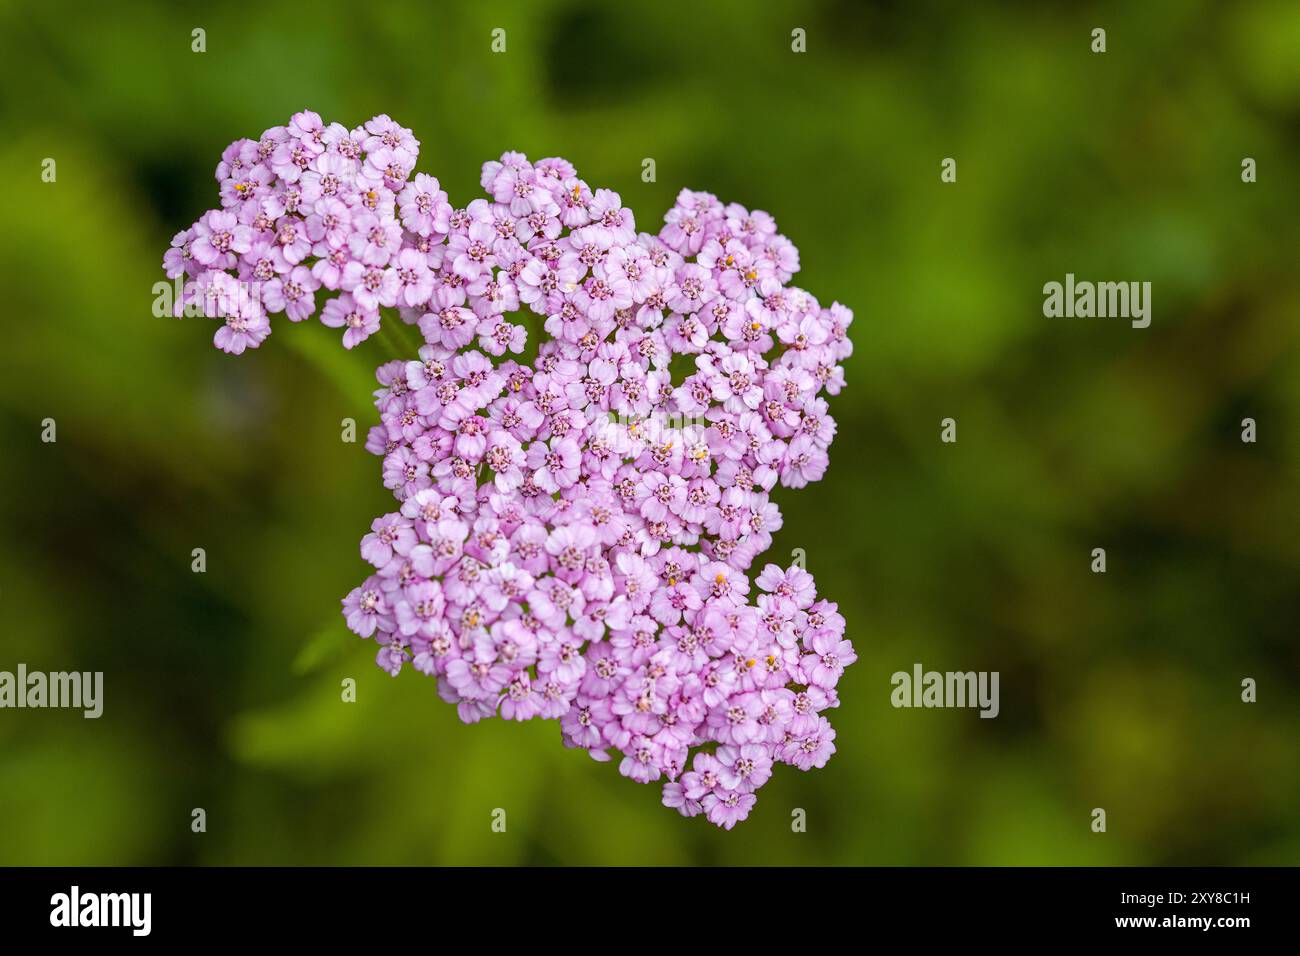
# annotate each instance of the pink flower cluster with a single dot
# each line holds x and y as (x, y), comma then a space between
(310, 207)
(575, 534)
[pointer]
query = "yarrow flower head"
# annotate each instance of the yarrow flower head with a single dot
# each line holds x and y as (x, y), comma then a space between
(576, 535)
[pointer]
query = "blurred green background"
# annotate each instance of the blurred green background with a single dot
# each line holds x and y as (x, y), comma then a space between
(1119, 691)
